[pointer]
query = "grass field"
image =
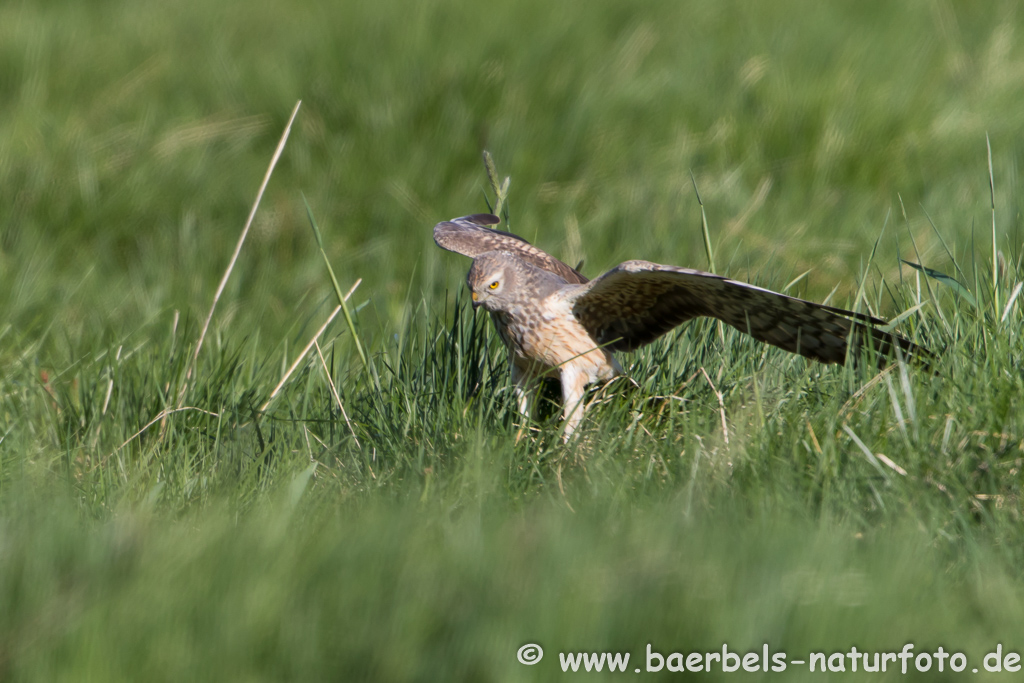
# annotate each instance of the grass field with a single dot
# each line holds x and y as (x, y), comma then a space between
(375, 518)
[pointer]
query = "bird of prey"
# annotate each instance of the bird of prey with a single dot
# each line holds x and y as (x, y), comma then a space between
(557, 323)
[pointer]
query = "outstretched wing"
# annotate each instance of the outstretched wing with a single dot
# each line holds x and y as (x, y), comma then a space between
(637, 301)
(471, 237)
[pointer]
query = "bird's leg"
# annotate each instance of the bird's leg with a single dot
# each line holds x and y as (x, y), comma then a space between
(524, 398)
(574, 384)
(523, 383)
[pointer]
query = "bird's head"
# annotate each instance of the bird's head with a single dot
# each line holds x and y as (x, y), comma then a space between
(492, 279)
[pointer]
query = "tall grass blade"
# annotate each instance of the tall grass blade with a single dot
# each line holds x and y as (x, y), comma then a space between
(950, 282)
(1013, 300)
(942, 241)
(995, 247)
(238, 248)
(871, 258)
(917, 252)
(342, 299)
(704, 227)
(500, 189)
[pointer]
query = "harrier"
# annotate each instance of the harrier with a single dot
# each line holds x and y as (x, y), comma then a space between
(557, 323)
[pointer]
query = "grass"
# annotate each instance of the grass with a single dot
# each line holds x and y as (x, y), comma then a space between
(376, 518)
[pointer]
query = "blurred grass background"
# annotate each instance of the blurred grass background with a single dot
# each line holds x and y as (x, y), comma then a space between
(428, 545)
(134, 136)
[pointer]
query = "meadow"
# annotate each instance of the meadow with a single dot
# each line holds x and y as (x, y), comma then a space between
(170, 514)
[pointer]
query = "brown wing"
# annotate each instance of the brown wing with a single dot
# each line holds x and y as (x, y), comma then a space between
(638, 301)
(469, 236)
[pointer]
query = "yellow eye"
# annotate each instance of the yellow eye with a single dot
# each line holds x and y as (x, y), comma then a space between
(493, 285)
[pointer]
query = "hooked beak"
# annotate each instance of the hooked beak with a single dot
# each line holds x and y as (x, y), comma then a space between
(476, 301)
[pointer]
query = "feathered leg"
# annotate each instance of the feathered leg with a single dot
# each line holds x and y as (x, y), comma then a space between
(525, 387)
(574, 383)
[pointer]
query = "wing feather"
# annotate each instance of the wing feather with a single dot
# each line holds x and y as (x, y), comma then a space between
(638, 301)
(471, 237)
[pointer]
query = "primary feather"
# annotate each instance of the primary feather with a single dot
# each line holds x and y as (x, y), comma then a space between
(638, 301)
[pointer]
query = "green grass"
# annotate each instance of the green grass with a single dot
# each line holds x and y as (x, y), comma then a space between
(161, 526)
